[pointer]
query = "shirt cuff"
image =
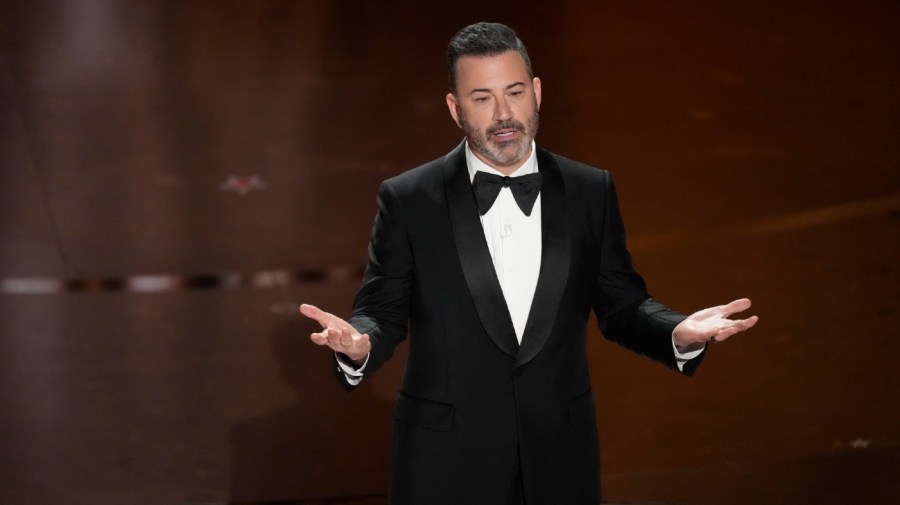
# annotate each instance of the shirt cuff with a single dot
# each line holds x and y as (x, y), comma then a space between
(352, 373)
(682, 358)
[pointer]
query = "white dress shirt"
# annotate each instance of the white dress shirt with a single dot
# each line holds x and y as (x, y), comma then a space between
(514, 241)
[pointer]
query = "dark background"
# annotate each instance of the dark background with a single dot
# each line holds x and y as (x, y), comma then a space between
(150, 350)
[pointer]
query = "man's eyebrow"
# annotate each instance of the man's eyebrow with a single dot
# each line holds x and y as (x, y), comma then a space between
(487, 90)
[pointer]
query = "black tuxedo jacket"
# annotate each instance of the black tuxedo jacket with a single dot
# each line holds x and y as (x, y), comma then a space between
(475, 407)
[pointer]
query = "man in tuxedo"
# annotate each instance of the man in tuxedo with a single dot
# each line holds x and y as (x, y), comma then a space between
(491, 259)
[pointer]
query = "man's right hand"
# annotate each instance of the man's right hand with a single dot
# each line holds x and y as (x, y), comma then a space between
(338, 334)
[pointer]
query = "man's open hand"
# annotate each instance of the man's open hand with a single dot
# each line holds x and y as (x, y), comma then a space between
(338, 334)
(712, 325)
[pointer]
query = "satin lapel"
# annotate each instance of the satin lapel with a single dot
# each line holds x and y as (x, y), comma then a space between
(474, 255)
(555, 259)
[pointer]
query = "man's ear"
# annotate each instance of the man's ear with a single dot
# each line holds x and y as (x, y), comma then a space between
(536, 84)
(453, 105)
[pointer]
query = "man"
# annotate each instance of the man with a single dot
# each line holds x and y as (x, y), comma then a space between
(493, 256)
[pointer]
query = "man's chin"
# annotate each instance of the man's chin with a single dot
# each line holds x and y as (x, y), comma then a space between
(509, 161)
(502, 154)
(509, 157)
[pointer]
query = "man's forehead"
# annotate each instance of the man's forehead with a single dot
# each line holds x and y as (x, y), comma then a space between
(509, 56)
(495, 70)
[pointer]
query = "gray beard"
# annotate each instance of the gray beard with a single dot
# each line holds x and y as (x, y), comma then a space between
(496, 152)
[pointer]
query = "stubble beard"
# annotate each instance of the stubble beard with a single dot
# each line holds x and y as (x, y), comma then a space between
(504, 153)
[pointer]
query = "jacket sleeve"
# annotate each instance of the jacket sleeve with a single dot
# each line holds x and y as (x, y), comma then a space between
(381, 307)
(625, 311)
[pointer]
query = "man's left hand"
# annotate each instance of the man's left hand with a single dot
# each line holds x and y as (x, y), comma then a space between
(712, 325)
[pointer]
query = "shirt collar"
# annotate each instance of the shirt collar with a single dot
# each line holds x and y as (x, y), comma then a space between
(476, 165)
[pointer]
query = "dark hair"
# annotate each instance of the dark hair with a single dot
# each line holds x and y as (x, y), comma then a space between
(483, 39)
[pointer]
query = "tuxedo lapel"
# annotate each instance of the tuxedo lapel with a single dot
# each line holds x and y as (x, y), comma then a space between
(474, 256)
(555, 259)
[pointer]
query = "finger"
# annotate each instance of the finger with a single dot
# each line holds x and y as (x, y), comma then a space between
(363, 343)
(738, 324)
(746, 324)
(346, 337)
(737, 327)
(734, 307)
(724, 334)
(313, 312)
(334, 339)
(749, 322)
(319, 338)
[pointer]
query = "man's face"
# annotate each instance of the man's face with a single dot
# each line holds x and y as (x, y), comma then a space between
(496, 104)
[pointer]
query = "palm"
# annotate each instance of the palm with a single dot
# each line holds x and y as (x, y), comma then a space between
(713, 324)
(337, 334)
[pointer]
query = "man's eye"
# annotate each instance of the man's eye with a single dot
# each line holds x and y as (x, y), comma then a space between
(516, 93)
(481, 99)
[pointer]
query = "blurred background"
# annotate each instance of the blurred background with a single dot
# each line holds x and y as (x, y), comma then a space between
(177, 177)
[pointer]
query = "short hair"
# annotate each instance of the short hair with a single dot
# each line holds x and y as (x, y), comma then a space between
(483, 39)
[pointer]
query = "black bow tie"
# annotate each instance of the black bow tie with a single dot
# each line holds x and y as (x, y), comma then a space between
(524, 188)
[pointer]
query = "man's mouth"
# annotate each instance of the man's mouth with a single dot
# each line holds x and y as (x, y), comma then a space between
(505, 133)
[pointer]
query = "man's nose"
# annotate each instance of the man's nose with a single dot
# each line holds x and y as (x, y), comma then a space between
(502, 112)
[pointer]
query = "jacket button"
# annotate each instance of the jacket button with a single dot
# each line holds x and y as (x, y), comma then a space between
(517, 372)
